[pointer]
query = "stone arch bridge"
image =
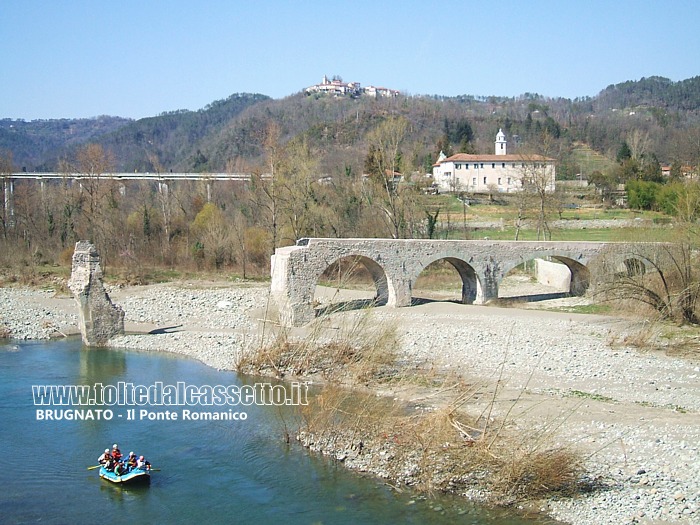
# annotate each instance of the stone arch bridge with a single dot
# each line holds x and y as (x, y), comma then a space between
(395, 264)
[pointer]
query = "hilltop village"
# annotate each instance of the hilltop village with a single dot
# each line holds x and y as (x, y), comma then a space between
(338, 88)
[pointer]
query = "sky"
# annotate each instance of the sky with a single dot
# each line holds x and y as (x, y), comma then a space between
(81, 59)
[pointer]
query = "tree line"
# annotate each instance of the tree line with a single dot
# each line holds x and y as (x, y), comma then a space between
(225, 135)
(210, 225)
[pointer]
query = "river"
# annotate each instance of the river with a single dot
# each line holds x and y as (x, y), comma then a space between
(209, 471)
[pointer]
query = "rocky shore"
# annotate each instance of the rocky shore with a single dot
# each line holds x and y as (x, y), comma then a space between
(633, 415)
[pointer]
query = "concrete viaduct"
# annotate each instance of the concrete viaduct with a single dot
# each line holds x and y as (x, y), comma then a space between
(163, 179)
(396, 264)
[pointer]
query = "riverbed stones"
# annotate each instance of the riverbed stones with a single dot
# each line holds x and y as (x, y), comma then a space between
(632, 413)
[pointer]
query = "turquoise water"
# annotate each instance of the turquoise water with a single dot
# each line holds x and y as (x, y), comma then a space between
(210, 471)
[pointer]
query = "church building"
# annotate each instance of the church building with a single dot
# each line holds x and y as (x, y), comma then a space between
(501, 172)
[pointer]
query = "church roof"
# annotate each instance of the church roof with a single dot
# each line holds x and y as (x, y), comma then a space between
(467, 157)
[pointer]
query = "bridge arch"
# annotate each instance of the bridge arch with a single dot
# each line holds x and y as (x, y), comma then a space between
(580, 274)
(471, 285)
(577, 266)
(351, 262)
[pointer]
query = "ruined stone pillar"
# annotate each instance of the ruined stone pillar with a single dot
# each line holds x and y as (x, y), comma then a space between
(100, 320)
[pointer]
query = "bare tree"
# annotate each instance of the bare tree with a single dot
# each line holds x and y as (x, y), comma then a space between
(92, 164)
(639, 143)
(384, 171)
(268, 182)
(523, 201)
(164, 203)
(537, 178)
(297, 185)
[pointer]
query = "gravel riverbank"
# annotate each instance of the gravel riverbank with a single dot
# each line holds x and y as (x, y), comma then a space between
(634, 415)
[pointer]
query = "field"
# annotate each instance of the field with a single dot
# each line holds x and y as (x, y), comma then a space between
(578, 219)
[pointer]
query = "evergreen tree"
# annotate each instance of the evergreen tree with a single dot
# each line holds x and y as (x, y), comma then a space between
(623, 153)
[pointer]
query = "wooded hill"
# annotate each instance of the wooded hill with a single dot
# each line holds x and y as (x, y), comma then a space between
(656, 116)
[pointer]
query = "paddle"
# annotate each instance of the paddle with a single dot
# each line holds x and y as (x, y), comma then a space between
(94, 467)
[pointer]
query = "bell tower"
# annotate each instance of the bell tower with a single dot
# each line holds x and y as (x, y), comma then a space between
(500, 144)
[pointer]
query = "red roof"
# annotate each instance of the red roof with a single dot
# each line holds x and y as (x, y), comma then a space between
(466, 157)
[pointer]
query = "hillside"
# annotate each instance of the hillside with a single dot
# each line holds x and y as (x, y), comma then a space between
(34, 143)
(229, 134)
(167, 141)
(172, 140)
(657, 92)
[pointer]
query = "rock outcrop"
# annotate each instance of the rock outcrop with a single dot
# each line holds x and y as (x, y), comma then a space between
(99, 318)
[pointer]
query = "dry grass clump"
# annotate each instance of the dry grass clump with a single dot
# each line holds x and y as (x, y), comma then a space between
(655, 334)
(531, 474)
(643, 336)
(357, 351)
(441, 450)
(5, 332)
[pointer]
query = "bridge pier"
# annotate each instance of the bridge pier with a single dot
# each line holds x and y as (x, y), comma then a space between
(491, 276)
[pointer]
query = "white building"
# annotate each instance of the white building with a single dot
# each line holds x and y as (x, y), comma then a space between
(338, 88)
(378, 92)
(335, 87)
(501, 171)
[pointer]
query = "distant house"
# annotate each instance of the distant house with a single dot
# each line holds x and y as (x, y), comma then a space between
(392, 178)
(500, 172)
(685, 171)
(378, 92)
